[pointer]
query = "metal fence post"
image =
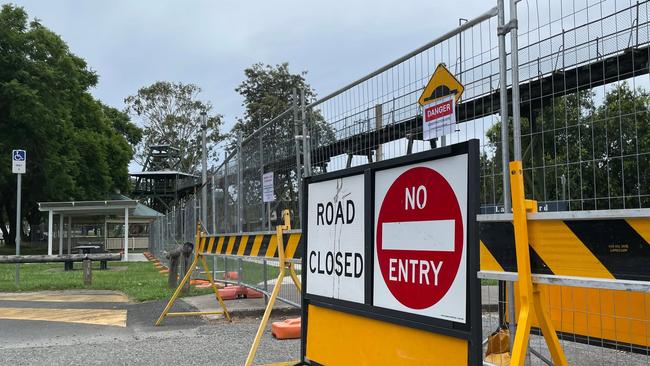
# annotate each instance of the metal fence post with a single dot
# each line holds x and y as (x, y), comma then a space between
(505, 146)
(214, 207)
(266, 285)
(240, 191)
(261, 149)
(240, 263)
(214, 266)
(306, 140)
(514, 59)
(296, 132)
(204, 171)
(225, 192)
(503, 95)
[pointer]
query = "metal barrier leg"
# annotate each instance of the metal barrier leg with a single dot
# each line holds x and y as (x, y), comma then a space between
(215, 289)
(265, 318)
(529, 295)
(200, 249)
(544, 319)
(177, 292)
(276, 289)
(294, 277)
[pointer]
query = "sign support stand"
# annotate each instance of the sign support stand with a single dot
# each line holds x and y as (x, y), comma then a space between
(197, 257)
(284, 265)
(530, 295)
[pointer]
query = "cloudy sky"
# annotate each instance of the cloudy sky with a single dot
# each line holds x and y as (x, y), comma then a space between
(135, 43)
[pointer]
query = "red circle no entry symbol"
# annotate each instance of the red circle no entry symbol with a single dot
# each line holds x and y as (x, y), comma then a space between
(419, 237)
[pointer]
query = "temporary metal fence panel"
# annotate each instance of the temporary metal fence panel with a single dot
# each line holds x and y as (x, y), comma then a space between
(617, 311)
(584, 103)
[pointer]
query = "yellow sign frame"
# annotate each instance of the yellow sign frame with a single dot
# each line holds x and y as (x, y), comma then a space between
(441, 77)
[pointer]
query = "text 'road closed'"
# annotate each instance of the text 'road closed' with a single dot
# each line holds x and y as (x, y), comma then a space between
(340, 264)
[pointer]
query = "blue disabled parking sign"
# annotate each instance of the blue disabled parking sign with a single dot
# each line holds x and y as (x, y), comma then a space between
(19, 161)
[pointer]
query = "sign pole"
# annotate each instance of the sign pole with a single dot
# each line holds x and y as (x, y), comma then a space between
(268, 214)
(19, 184)
(18, 167)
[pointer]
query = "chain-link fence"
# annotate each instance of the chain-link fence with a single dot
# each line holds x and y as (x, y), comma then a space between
(581, 125)
(259, 274)
(174, 228)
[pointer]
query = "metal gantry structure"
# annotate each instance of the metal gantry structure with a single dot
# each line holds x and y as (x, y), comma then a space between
(161, 184)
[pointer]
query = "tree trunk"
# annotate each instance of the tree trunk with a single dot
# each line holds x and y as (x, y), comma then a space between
(9, 233)
(3, 226)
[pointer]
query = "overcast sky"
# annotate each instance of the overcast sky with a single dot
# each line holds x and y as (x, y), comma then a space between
(135, 43)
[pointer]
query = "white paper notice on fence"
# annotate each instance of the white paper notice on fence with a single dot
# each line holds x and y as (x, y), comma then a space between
(439, 117)
(267, 187)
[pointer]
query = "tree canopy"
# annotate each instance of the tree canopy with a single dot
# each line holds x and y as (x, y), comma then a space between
(77, 147)
(267, 92)
(171, 113)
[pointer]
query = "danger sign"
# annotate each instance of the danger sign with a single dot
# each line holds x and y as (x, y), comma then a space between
(439, 118)
(420, 241)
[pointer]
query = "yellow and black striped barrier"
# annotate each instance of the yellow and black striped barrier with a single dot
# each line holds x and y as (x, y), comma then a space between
(593, 244)
(252, 245)
(597, 247)
(608, 245)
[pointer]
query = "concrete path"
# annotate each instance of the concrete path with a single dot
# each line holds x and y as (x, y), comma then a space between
(83, 327)
(137, 257)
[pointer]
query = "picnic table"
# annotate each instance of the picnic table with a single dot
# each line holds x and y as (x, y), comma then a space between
(87, 248)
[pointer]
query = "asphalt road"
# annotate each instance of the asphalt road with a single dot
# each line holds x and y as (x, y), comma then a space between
(182, 341)
(190, 340)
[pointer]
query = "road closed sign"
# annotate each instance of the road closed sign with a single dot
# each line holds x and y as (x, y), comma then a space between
(420, 241)
(335, 256)
(390, 262)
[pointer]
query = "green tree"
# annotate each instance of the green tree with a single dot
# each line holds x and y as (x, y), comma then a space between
(171, 114)
(587, 152)
(77, 148)
(268, 92)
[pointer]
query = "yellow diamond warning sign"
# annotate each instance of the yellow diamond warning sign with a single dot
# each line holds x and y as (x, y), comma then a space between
(443, 83)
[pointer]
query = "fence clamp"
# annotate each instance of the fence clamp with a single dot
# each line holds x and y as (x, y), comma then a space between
(506, 28)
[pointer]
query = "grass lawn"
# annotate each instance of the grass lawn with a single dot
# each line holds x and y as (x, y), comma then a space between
(140, 281)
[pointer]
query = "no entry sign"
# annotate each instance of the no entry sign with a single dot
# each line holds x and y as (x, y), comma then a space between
(420, 240)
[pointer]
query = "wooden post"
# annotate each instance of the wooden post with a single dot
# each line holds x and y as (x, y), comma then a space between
(187, 263)
(174, 259)
(88, 274)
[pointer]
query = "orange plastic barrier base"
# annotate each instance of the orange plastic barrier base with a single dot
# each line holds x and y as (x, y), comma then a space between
(251, 294)
(229, 293)
(288, 329)
(238, 292)
(230, 275)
